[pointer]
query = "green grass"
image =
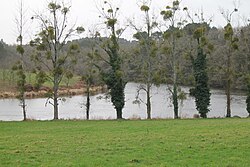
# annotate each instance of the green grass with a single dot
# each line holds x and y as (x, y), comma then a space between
(198, 143)
(8, 80)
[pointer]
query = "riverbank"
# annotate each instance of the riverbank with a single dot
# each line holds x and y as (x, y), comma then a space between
(77, 89)
(195, 142)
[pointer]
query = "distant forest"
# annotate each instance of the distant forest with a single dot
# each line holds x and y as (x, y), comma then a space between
(131, 59)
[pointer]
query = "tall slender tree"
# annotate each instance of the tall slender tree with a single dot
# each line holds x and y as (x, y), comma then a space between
(89, 76)
(147, 52)
(114, 75)
(202, 91)
(171, 37)
(20, 66)
(50, 46)
(232, 45)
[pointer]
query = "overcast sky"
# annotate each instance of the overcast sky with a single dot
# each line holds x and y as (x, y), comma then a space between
(85, 13)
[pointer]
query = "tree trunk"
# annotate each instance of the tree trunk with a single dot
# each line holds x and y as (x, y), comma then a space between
(87, 103)
(175, 92)
(228, 86)
(56, 109)
(148, 103)
(228, 92)
(24, 111)
(175, 101)
(24, 108)
(55, 100)
(203, 115)
(119, 113)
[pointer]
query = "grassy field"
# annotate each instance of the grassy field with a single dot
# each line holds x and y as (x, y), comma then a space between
(198, 143)
(8, 80)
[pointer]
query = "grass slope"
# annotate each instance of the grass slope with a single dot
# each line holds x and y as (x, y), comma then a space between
(8, 80)
(208, 142)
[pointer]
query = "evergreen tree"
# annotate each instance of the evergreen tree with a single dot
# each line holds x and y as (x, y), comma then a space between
(114, 76)
(201, 91)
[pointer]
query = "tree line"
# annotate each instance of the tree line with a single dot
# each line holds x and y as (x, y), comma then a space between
(175, 52)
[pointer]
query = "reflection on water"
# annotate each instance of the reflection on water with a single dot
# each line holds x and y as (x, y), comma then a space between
(73, 108)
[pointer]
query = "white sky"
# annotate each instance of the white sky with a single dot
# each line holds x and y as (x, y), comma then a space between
(85, 13)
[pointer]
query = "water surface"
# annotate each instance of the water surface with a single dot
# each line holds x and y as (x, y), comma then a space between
(73, 107)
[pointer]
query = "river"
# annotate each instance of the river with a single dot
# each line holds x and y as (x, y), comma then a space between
(73, 108)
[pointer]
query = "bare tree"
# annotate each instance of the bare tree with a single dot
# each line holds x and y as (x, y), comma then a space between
(231, 43)
(147, 51)
(20, 66)
(89, 76)
(50, 46)
(171, 35)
